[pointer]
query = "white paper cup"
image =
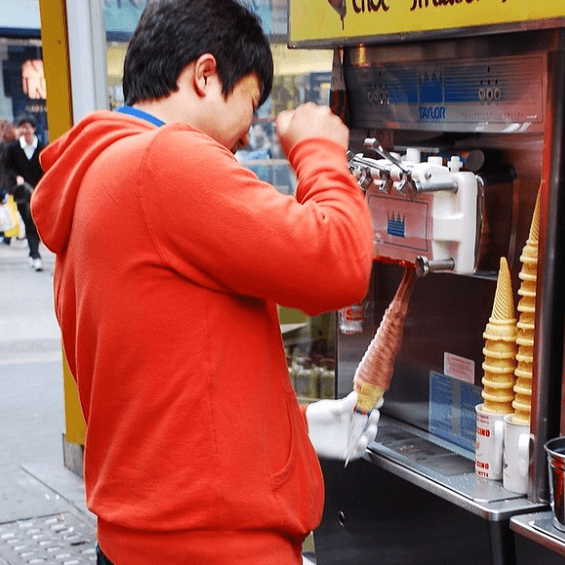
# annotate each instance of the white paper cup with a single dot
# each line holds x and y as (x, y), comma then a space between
(516, 456)
(489, 444)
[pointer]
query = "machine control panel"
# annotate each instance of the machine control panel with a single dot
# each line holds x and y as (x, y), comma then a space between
(495, 94)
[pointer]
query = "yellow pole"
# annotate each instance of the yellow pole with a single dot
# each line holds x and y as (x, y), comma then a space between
(56, 63)
(56, 66)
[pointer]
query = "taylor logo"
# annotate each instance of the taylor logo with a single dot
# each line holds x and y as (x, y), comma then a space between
(359, 7)
(433, 113)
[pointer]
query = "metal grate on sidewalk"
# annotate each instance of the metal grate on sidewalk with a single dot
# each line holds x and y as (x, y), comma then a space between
(61, 539)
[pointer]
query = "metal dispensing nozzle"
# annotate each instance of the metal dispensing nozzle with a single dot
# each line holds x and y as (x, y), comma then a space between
(424, 266)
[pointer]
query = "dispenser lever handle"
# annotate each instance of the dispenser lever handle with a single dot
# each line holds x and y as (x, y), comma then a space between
(372, 142)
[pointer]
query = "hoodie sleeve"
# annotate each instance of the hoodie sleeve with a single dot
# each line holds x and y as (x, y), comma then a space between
(211, 216)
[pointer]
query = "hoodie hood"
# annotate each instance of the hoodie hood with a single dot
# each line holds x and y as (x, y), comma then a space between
(65, 162)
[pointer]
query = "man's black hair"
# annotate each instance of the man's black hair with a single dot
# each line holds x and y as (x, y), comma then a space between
(26, 118)
(173, 33)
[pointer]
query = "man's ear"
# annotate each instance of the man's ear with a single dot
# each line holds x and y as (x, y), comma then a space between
(205, 67)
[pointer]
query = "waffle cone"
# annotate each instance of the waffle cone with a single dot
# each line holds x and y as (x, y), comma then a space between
(527, 319)
(526, 350)
(498, 390)
(522, 409)
(523, 387)
(528, 307)
(525, 327)
(503, 308)
(496, 366)
(502, 332)
(523, 372)
(498, 381)
(525, 337)
(499, 349)
(374, 372)
(527, 289)
(494, 405)
(529, 254)
(527, 311)
(522, 403)
(529, 271)
(524, 357)
(531, 248)
(521, 417)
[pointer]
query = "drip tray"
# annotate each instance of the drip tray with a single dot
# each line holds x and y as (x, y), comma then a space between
(423, 452)
(440, 465)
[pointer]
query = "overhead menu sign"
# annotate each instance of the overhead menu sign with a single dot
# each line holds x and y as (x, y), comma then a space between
(335, 22)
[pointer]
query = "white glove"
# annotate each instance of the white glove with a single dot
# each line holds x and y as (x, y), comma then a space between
(328, 427)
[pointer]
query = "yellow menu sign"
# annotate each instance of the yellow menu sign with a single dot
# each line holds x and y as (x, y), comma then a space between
(332, 22)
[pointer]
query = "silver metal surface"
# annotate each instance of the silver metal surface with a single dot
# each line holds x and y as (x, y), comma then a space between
(444, 469)
(538, 527)
(493, 94)
(424, 266)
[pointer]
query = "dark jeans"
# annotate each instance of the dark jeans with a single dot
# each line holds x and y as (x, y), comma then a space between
(31, 231)
(101, 559)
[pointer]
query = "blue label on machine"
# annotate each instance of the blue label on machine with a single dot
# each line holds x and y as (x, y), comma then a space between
(452, 410)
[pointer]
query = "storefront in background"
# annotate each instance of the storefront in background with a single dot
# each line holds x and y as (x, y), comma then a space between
(22, 82)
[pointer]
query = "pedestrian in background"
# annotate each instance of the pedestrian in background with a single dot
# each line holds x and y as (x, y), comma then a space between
(22, 163)
(7, 135)
(196, 449)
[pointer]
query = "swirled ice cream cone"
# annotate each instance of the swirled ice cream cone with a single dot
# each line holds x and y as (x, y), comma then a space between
(374, 372)
(500, 347)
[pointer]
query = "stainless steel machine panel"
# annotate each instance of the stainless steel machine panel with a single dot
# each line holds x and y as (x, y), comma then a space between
(495, 94)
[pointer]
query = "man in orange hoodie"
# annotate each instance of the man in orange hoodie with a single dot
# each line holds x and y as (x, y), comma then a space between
(171, 260)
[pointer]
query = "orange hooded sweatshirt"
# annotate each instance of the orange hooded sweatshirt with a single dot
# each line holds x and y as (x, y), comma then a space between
(171, 259)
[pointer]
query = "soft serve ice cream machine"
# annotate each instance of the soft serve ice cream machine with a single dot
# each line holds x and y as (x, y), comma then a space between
(424, 213)
(452, 139)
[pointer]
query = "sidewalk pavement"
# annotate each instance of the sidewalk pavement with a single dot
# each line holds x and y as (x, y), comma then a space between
(43, 516)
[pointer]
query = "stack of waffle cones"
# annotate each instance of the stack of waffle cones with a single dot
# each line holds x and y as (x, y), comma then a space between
(500, 348)
(522, 403)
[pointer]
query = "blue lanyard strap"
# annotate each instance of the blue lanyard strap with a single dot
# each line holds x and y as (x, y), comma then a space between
(140, 114)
